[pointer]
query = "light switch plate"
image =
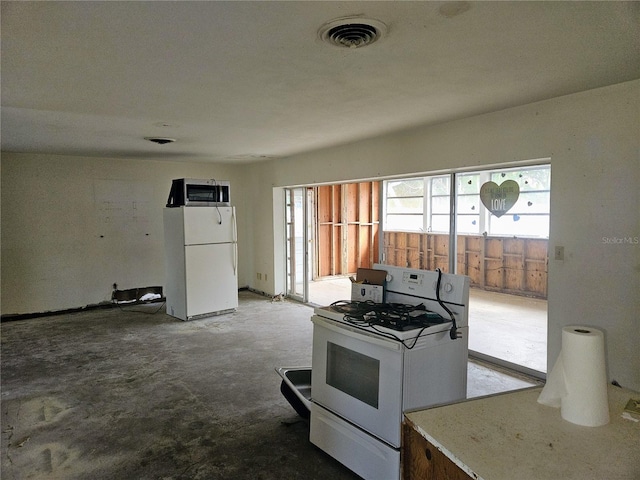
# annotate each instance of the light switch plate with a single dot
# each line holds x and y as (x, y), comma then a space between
(559, 253)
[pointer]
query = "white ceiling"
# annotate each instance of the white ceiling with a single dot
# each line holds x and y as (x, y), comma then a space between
(242, 81)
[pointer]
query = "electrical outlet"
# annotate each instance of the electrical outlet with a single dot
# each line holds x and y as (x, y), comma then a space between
(265, 277)
(259, 276)
(558, 253)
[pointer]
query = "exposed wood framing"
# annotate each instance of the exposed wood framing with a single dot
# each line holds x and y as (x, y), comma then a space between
(509, 265)
(347, 228)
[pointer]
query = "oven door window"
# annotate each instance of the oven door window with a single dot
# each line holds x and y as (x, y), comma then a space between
(353, 373)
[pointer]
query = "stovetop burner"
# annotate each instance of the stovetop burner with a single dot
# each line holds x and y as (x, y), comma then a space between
(396, 316)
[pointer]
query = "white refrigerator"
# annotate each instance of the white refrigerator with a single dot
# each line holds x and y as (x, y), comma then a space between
(201, 261)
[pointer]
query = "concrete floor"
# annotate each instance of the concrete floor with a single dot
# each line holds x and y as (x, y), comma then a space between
(133, 393)
(510, 328)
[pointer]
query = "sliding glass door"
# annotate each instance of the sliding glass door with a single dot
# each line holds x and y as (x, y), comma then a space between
(299, 225)
(493, 226)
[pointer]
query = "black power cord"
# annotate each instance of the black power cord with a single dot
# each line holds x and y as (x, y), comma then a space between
(453, 333)
(363, 314)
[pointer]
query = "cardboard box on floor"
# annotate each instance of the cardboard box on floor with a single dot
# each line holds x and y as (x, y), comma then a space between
(368, 285)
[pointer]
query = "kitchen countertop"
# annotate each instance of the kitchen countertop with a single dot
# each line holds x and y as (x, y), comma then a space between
(511, 436)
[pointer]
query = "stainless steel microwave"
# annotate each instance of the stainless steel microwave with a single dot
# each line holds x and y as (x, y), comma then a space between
(191, 192)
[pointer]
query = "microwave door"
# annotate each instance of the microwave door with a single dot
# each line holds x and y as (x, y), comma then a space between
(202, 193)
(206, 193)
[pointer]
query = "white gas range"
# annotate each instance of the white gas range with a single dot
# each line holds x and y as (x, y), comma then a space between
(372, 362)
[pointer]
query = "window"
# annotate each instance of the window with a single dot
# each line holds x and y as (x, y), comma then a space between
(404, 204)
(417, 204)
(439, 203)
(529, 217)
(469, 205)
(423, 203)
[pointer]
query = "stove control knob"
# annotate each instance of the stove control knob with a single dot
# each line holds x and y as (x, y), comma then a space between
(389, 277)
(448, 287)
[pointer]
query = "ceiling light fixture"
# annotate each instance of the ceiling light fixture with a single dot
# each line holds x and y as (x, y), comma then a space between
(352, 32)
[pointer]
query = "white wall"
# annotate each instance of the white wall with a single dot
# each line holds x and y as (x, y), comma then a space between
(73, 226)
(62, 248)
(592, 139)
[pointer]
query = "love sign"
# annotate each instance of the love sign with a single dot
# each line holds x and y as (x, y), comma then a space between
(499, 198)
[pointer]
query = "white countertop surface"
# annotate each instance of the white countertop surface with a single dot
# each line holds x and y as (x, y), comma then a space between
(511, 436)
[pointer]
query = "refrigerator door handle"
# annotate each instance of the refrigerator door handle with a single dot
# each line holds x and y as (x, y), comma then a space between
(234, 232)
(235, 258)
(234, 228)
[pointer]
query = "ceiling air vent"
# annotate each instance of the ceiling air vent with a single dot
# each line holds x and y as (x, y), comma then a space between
(353, 32)
(160, 140)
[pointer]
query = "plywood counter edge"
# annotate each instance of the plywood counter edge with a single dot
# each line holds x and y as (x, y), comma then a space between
(433, 441)
(415, 419)
(450, 455)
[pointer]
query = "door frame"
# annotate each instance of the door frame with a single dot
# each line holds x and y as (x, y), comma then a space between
(299, 234)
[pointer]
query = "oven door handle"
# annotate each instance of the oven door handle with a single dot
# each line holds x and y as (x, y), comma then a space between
(357, 333)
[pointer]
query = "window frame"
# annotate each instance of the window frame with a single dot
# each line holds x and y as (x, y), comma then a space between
(485, 217)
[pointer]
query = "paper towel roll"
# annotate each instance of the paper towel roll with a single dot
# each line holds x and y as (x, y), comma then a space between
(578, 381)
